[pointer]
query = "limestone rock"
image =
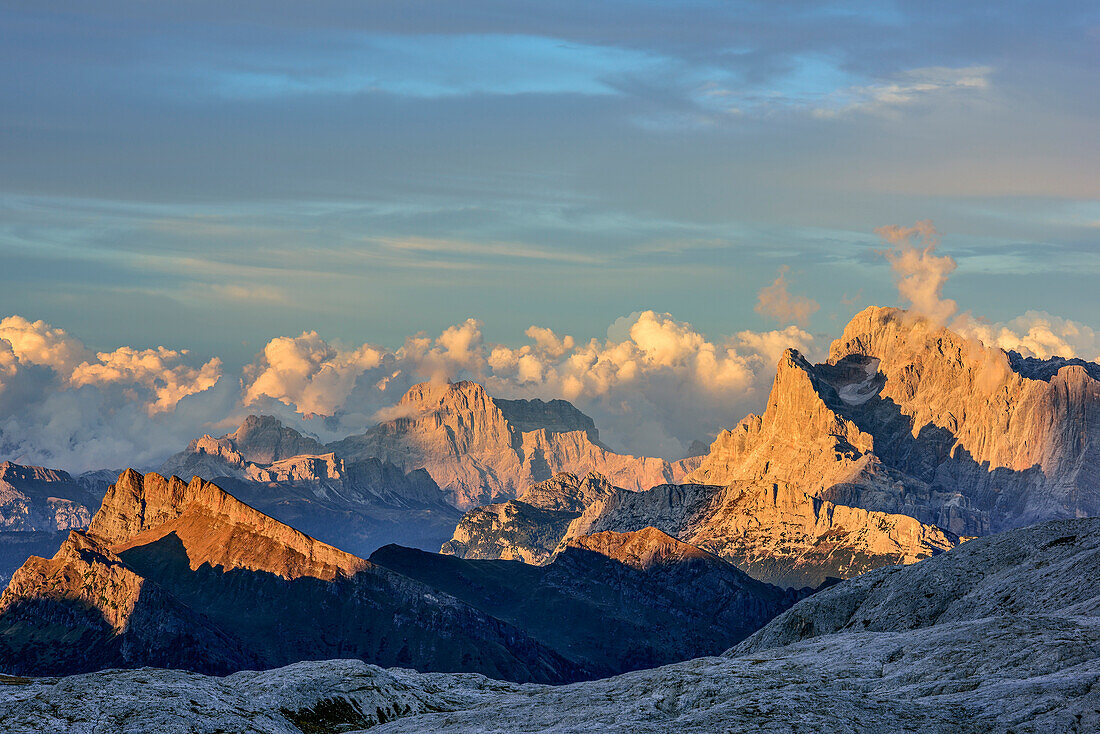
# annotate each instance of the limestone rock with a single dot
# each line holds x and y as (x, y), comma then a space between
(999, 635)
(194, 558)
(360, 505)
(909, 417)
(85, 609)
(313, 696)
(482, 450)
(33, 498)
(38, 506)
(773, 532)
(611, 602)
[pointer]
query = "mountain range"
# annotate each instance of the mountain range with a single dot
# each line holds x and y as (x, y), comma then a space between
(38, 507)
(773, 532)
(869, 540)
(907, 416)
(1001, 634)
(360, 505)
(481, 449)
(184, 575)
(909, 438)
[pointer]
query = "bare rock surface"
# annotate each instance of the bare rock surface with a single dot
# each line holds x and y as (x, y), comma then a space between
(313, 696)
(34, 498)
(360, 505)
(481, 450)
(1036, 572)
(38, 506)
(773, 532)
(909, 417)
(966, 659)
(165, 559)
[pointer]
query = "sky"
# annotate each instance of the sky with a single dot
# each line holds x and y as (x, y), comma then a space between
(184, 185)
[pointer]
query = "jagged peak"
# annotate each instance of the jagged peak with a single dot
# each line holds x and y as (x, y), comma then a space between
(437, 392)
(78, 542)
(642, 549)
(139, 509)
(264, 439)
(568, 491)
(1034, 368)
(257, 422)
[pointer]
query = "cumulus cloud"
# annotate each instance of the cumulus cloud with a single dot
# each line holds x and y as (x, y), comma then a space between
(776, 301)
(653, 385)
(155, 378)
(36, 342)
(63, 405)
(1037, 334)
(308, 372)
(160, 371)
(920, 274)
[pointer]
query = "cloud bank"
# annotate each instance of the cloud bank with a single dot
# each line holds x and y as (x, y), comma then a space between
(653, 384)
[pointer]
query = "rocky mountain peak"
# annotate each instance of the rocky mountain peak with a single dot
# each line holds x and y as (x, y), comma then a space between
(12, 472)
(464, 394)
(907, 416)
(555, 416)
(214, 527)
(263, 439)
(479, 449)
(641, 549)
(567, 491)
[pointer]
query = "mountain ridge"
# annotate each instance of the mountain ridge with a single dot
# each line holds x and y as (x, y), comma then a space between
(774, 532)
(194, 558)
(908, 416)
(465, 440)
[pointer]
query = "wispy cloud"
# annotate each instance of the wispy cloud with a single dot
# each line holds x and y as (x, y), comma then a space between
(889, 96)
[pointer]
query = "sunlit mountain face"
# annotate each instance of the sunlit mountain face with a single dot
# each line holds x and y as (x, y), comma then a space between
(393, 364)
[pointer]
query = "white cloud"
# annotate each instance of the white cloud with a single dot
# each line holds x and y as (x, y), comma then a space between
(920, 274)
(776, 301)
(156, 378)
(652, 386)
(63, 405)
(1037, 334)
(36, 342)
(907, 88)
(307, 372)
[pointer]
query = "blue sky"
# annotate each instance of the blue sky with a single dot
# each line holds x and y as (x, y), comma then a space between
(212, 175)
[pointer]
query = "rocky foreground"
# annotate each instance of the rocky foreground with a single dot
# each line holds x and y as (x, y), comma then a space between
(1001, 634)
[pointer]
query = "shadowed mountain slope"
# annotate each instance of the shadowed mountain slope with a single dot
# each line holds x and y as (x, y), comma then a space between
(612, 602)
(999, 635)
(164, 549)
(359, 505)
(909, 417)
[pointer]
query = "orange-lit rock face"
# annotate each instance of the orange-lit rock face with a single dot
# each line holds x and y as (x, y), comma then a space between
(480, 450)
(184, 575)
(774, 532)
(214, 527)
(641, 549)
(907, 416)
